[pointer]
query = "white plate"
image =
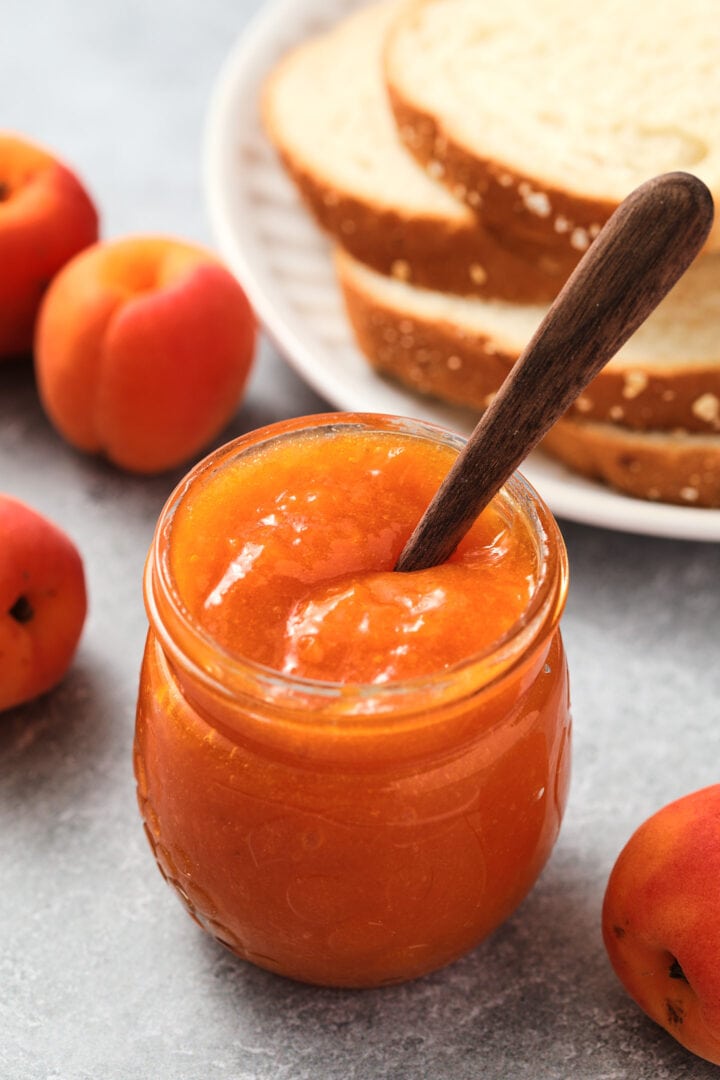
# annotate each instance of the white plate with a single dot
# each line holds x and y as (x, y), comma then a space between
(282, 261)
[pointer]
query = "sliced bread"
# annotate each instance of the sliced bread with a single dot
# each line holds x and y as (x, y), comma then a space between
(545, 114)
(326, 111)
(667, 376)
(667, 466)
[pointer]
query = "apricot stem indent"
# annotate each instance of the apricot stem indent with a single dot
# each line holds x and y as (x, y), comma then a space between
(22, 610)
(676, 972)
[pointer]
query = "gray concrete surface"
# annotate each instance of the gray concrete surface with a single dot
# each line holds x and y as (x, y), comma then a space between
(102, 975)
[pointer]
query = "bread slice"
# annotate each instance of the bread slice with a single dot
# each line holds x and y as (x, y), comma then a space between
(326, 111)
(667, 376)
(545, 114)
(671, 467)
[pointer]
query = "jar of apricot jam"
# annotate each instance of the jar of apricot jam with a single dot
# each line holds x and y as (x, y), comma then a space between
(350, 775)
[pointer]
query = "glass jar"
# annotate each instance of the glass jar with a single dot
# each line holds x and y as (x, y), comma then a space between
(352, 835)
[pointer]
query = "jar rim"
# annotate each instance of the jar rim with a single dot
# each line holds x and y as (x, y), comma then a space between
(229, 674)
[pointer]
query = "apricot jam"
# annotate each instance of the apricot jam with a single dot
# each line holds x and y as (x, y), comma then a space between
(351, 776)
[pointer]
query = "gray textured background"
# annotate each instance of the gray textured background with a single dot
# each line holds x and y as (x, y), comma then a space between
(102, 975)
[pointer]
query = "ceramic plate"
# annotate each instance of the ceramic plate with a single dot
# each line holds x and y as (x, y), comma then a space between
(283, 262)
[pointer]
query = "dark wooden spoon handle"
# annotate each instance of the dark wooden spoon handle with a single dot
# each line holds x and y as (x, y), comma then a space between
(644, 248)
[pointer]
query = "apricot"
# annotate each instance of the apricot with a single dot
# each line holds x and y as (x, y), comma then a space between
(660, 920)
(42, 602)
(46, 217)
(142, 351)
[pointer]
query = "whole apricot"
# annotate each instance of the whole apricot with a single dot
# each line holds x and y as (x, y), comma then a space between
(660, 919)
(42, 602)
(142, 351)
(46, 217)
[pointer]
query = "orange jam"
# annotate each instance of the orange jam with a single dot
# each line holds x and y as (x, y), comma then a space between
(350, 775)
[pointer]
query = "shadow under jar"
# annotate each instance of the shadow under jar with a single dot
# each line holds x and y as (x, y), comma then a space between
(350, 776)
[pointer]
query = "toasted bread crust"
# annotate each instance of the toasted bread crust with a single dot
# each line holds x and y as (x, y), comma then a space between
(561, 223)
(441, 358)
(425, 356)
(428, 252)
(684, 471)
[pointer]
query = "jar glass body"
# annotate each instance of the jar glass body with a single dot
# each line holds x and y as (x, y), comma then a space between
(342, 835)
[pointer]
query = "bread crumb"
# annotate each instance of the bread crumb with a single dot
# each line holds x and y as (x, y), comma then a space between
(348, 226)
(594, 229)
(616, 412)
(331, 198)
(653, 493)
(460, 192)
(454, 363)
(435, 169)
(478, 273)
(400, 269)
(407, 342)
(689, 494)
(669, 395)
(440, 145)
(707, 408)
(406, 326)
(474, 198)
(584, 404)
(562, 224)
(635, 383)
(390, 335)
(505, 180)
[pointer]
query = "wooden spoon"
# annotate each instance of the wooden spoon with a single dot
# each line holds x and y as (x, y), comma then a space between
(644, 248)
